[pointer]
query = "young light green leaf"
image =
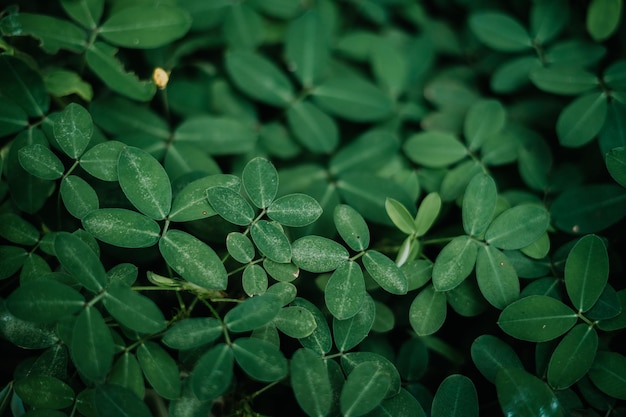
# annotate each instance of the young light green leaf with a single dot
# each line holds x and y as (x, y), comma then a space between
(191, 203)
(231, 205)
(101, 160)
(145, 182)
(53, 33)
(351, 227)
(240, 247)
(350, 332)
(385, 272)
(603, 18)
(143, 27)
(77, 258)
(434, 149)
(616, 164)
(160, 369)
(213, 372)
(364, 389)
(315, 130)
(427, 213)
(320, 340)
(455, 397)
(428, 311)
(572, 357)
(295, 321)
(121, 227)
(193, 259)
(40, 161)
(318, 254)
(44, 301)
(454, 263)
(484, 119)
(73, 130)
(24, 85)
(491, 354)
(108, 397)
(499, 31)
(518, 227)
(537, 318)
(260, 359)
(524, 395)
(310, 382)
(345, 291)
(16, 229)
(479, 204)
(608, 373)
(295, 210)
(586, 272)
(271, 241)
(259, 78)
(92, 347)
(307, 47)
(193, 332)
(44, 391)
(78, 196)
(253, 313)
(133, 310)
(400, 216)
(260, 180)
(564, 80)
(496, 277)
(254, 280)
(581, 120)
(63, 83)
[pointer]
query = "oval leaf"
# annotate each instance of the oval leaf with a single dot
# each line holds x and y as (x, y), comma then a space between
(320, 340)
(479, 204)
(193, 332)
(496, 277)
(240, 247)
(213, 372)
(229, 204)
(364, 389)
(271, 241)
(318, 254)
(586, 272)
(260, 180)
(40, 161)
(78, 196)
(351, 227)
(581, 120)
(350, 332)
(101, 160)
(107, 400)
(44, 391)
(524, 395)
(310, 382)
(500, 31)
(260, 359)
(573, 357)
(44, 301)
(73, 130)
(315, 130)
(518, 227)
(295, 210)
(254, 280)
(79, 260)
(307, 47)
(455, 397)
(385, 272)
(434, 149)
(345, 291)
(484, 119)
(454, 263)
(295, 321)
(253, 313)
(160, 370)
(607, 373)
(428, 311)
(123, 228)
(491, 354)
(92, 347)
(133, 310)
(191, 202)
(17, 230)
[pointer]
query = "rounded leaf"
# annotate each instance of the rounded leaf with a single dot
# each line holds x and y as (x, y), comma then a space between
(43, 391)
(191, 203)
(213, 372)
(101, 160)
(80, 261)
(44, 301)
(315, 130)
(310, 382)
(385, 272)
(295, 210)
(286, 291)
(603, 18)
(260, 359)
(581, 120)
(563, 80)
(254, 280)
(350, 332)
(455, 397)
(491, 354)
(123, 228)
(345, 291)
(524, 395)
(133, 310)
(192, 332)
(253, 313)
(484, 119)
(271, 241)
(518, 227)
(609, 375)
(586, 272)
(479, 204)
(320, 340)
(454, 263)
(573, 357)
(428, 311)
(73, 130)
(160, 369)
(318, 254)
(78, 196)
(364, 389)
(240, 247)
(434, 149)
(260, 180)
(16, 229)
(351, 227)
(500, 31)
(496, 277)
(295, 321)
(284, 272)
(40, 161)
(229, 204)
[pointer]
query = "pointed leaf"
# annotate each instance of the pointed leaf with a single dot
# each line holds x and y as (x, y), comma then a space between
(518, 227)
(92, 347)
(320, 340)
(581, 120)
(192, 332)
(123, 228)
(586, 272)
(310, 382)
(499, 31)
(194, 260)
(260, 180)
(351, 227)
(44, 301)
(295, 321)
(145, 183)
(434, 149)
(240, 247)
(364, 389)
(491, 354)
(400, 216)
(23, 84)
(315, 130)
(524, 395)
(345, 291)
(607, 373)
(77, 258)
(307, 48)
(213, 372)
(454, 263)
(229, 204)
(53, 33)
(133, 310)
(101, 160)
(160, 369)
(385, 272)
(572, 357)
(253, 313)
(318, 254)
(109, 397)
(455, 397)
(537, 318)
(191, 202)
(428, 311)
(78, 196)
(350, 332)
(40, 161)
(427, 213)
(260, 359)
(73, 130)
(496, 277)
(271, 241)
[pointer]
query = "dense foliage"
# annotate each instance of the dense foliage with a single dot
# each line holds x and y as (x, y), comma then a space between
(312, 207)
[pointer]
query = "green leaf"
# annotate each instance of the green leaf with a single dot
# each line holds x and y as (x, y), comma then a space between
(479, 204)
(260, 359)
(353, 98)
(109, 397)
(40, 161)
(16, 229)
(63, 83)
(369, 151)
(400, 216)
(499, 31)
(44, 301)
(194, 260)
(318, 254)
(260, 180)
(243, 27)
(616, 164)
(11, 260)
(351, 227)
(614, 77)
(518, 227)
(586, 272)
(428, 311)
(78, 196)
(22, 84)
(607, 307)
(213, 372)
(43, 391)
(313, 128)
(271, 241)
(537, 318)
(286, 291)
(345, 291)
(434, 149)
(496, 277)
(101, 60)
(252, 313)
(350, 332)
(385, 272)
(101, 160)
(92, 346)
(29, 335)
(524, 395)
(294, 210)
(307, 47)
(491, 354)
(581, 120)
(254, 280)
(229, 204)
(484, 119)
(121, 227)
(145, 183)
(126, 372)
(364, 389)
(454, 263)
(310, 382)
(240, 247)
(53, 33)
(133, 310)
(284, 272)
(191, 202)
(589, 208)
(618, 321)
(188, 404)
(221, 135)
(160, 369)
(351, 360)
(390, 65)
(404, 404)
(572, 357)
(145, 27)
(259, 78)
(320, 340)
(85, 12)
(12, 117)
(192, 332)
(73, 130)
(77, 258)
(455, 397)
(563, 80)
(427, 213)
(603, 18)
(547, 20)
(295, 321)
(607, 373)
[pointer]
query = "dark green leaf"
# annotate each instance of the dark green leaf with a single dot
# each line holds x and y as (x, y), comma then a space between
(254, 280)
(435, 149)
(188, 404)
(53, 33)
(518, 227)
(603, 18)
(240, 247)
(496, 277)
(364, 389)
(229, 204)
(390, 65)
(116, 401)
(608, 373)
(320, 340)
(351, 360)
(563, 80)
(77, 258)
(258, 77)
(315, 130)
(43, 391)
(286, 291)
(455, 397)
(280, 9)
(428, 311)
(22, 84)
(78, 196)
(499, 31)
(123, 274)
(479, 204)
(193, 260)
(294, 210)
(160, 369)
(260, 359)
(454, 263)
(12, 117)
(260, 180)
(547, 20)
(216, 135)
(145, 183)
(404, 404)
(29, 335)
(484, 119)
(92, 347)
(345, 291)
(524, 395)
(145, 27)
(350, 332)
(40, 161)
(537, 318)
(213, 372)
(586, 272)
(271, 241)
(123, 228)
(607, 307)
(581, 120)
(253, 313)
(73, 130)
(491, 354)
(243, 27)
(295, 321)
(85, 12)
(16, 229)
(368, 151)
(44, 301)
(385, 272)
(614, 76)
(101, 160)
(616, 164)
(284, 272)
(133, 310)
(193, 332)
(310, 382)
(572, 357)
(307, 47)
(512, 75)
(351, 227)
(318, 254)
(126, 372)
(191, 202)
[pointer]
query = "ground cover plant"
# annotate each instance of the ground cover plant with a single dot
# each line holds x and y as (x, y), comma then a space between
(312, 207)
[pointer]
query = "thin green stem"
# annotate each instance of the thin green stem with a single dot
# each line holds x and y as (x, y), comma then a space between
(357, 256)
(262, 390)
(217, 316)
(438, 240)
(586, 320)
(334, 355)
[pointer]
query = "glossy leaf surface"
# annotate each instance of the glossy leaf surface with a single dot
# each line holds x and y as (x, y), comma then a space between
(522, 394)
(122, 227)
